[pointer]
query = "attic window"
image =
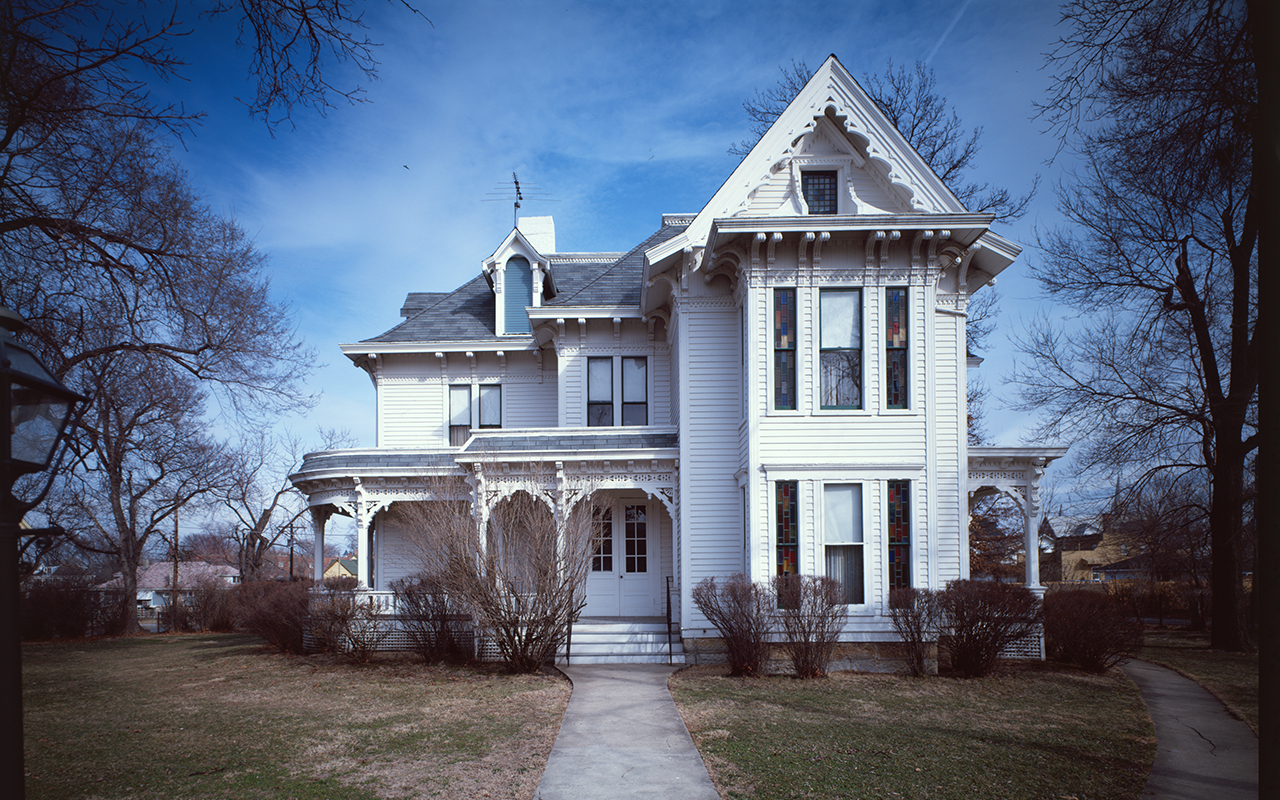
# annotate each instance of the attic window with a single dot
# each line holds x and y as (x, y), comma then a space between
(819, 191)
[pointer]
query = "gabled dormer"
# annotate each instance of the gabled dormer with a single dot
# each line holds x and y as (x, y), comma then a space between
(519, 273)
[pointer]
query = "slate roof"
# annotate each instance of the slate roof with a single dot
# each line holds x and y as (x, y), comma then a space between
(190, 575)
(581, 279)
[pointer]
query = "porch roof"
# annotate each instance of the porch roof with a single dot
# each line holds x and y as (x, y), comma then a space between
(593, 444)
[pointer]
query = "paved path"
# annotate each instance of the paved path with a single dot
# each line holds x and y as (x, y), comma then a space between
(623, 738)
(1201, 750)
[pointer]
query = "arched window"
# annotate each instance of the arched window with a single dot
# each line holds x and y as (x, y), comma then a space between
(517, 294)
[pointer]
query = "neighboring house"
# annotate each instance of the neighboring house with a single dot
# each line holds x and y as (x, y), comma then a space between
(773, 384)
(1081, 544)
(155, 583)
(340, 568)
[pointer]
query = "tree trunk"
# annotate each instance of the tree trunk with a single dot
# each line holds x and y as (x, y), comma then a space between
(1226, 517)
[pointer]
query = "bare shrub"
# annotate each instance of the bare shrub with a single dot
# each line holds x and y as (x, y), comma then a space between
(332, 612)
(367, 628)
(520, 569)
(811, 614)
(916, 617)
(742, 610)
(433, 620)
(278, 612)
(213, 606)
(982, 618)
(1089, 629)
(63, 609)
(176, 616)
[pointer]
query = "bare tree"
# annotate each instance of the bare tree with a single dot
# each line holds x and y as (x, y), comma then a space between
(145, 457)
(1160, 258)
(520, 568)
(265, 505)
(911, 102)
(996, 537)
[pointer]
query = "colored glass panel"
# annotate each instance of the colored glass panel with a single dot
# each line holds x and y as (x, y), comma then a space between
(897, 374)
(898, 522)
(784, 349)
(788, 525)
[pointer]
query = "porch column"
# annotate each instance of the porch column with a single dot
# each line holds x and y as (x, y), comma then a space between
(362, 547)
(319, 516)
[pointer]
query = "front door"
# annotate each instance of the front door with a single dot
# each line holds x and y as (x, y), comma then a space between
(623, 563)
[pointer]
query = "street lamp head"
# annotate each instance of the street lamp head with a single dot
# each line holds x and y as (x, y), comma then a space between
(36, 405)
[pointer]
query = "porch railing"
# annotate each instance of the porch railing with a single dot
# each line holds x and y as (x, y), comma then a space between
(671, 656)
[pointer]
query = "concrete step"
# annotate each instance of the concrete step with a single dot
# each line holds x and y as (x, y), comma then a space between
(622, 641)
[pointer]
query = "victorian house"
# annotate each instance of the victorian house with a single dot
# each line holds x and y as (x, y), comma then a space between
(773, 384)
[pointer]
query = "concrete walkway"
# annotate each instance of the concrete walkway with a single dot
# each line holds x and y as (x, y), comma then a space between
(1201, 750)
(623, 738)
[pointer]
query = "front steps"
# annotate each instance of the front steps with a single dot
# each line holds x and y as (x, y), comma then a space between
(612, 640)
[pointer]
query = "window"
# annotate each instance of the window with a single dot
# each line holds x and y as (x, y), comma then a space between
(599, 392)
(788, 526)
(784, 349)
(517, 294)
(898, 520)
(635, 391)
(637, 540)
(819, 191)
(842, 535)
(459, 415)
(840, 345)
(896, 373)
(490, 406)
(602, 540)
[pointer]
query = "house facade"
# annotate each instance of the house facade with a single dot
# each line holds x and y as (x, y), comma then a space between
(773, 384)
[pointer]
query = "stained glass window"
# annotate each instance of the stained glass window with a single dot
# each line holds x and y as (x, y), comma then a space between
(819, 191)
(784, 349)
(637, 540)
(898, 521)
(897, 375)
(840, 343)
(788, 515)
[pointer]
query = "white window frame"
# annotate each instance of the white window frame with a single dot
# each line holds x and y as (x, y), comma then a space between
(867, 543)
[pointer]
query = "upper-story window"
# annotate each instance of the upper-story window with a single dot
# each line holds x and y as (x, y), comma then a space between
(819, 191)
(634, 406)
(459, 415)
(517, 295)
(897, 365)
(599, 392)
(784, 349)
(491, 406)
(840, 345)
(635, 391)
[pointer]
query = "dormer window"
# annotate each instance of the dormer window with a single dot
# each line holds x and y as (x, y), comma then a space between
(517, 295)
(819, 191)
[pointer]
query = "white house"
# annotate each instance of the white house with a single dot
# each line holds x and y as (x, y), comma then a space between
(775, 383)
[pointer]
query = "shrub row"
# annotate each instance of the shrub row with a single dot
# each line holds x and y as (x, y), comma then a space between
(806, 610)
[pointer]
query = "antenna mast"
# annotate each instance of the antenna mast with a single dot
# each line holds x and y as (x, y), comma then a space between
(504, 191)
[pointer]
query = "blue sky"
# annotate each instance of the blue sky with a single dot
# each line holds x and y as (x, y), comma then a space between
(618, 111)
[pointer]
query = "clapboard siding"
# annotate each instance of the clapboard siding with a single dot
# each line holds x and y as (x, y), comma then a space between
(710, 505)
(411, 413)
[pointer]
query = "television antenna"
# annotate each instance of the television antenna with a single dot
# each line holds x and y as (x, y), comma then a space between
(516, 192)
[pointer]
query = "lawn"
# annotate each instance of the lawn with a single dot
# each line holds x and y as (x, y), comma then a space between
(1232, 677)
(1034, 731)
(221, 716)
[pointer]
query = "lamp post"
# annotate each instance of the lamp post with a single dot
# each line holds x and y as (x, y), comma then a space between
(34, 409)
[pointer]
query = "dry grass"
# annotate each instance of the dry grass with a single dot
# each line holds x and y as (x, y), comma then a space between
(220, 716)
(1032, 731)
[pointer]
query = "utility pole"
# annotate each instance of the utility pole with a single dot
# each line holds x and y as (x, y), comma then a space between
(173, 595)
